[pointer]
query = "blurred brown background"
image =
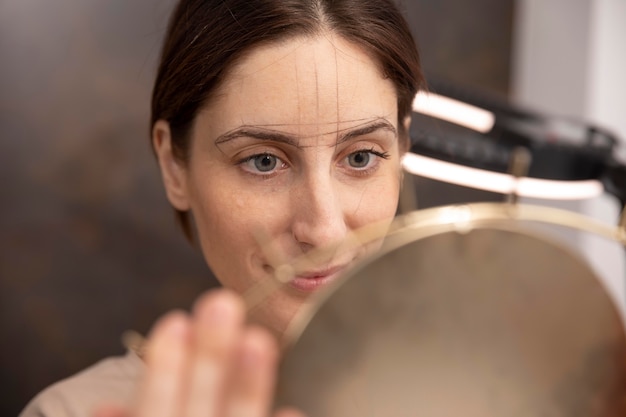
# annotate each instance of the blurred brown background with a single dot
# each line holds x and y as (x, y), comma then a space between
(88, 245)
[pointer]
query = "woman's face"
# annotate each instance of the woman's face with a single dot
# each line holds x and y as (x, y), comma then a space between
(300, 146)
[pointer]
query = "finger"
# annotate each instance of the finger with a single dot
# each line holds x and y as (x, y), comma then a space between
(110, 411)
(218, 322)
(166, 359)
(288, 412)
(253, 375)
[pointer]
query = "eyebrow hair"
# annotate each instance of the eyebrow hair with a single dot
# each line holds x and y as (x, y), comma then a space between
(367, 128)
(256, 133)
(261, 133)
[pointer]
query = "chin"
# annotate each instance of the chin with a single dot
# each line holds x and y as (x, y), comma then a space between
(277, 312)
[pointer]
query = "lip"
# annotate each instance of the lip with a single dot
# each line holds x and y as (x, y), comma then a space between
(311, 281)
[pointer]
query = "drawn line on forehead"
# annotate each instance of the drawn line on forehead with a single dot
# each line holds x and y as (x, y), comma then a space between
(263, 132)
(362, 119)
(299, 42)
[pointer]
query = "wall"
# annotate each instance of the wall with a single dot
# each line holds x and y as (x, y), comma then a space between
(88, 244)
(569, 60)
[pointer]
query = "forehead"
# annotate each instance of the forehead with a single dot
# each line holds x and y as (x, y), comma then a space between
(303, 86)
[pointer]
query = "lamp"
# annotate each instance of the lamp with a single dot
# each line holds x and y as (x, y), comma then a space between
(468, 140)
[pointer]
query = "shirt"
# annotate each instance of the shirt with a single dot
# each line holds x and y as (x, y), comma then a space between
(109, 381)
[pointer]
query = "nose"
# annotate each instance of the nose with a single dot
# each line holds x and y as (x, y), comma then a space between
(318, 214)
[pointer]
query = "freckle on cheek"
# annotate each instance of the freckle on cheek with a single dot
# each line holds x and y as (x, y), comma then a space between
(239, 202)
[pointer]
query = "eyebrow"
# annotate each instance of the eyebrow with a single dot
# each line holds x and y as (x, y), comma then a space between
(263, 133)
(367, 128)
(256, 133)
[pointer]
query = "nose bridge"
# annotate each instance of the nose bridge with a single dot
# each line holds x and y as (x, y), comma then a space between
(318, 215)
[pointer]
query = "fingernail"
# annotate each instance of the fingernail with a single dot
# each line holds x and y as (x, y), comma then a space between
(176, 325)
(219, 308)
(254, 348)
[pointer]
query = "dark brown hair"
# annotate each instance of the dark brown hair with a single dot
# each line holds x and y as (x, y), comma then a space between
(206, 37)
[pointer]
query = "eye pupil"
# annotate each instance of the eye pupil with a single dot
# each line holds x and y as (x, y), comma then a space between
(359, 159)
(265, 163)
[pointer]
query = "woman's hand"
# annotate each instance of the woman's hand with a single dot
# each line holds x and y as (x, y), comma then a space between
(208, 364)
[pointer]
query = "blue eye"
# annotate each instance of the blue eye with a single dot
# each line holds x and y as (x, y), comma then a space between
(359, 159)
(265, 162)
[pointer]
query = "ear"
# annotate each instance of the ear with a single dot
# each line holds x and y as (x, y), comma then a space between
(173, 170)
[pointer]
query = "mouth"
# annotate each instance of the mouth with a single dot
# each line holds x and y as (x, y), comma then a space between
(311, 281)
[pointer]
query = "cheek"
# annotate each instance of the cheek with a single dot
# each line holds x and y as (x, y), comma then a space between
(228, 207)
(375, 201)
(229, 221)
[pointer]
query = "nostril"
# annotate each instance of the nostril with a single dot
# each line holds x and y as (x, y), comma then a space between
(304, 247)
(312, 235)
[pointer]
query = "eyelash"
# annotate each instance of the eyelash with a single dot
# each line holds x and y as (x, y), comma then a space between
(384, 155)
(363, 171)
(265, 175)
(368, 169)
